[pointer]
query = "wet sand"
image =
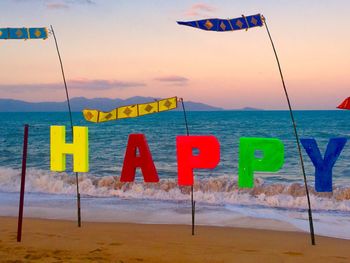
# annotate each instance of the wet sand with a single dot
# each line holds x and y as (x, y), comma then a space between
(63, 241)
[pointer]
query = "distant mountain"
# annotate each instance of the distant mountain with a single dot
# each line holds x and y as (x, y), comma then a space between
(80, 103)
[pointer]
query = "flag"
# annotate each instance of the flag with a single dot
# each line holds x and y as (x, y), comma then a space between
(130, 111)
(221, 25)
(345, 105)
(24, 33)
(38, 33)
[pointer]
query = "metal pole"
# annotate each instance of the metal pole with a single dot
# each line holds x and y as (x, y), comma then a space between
(71, 121)
(23, 181)
(193, 203)
(296, 137)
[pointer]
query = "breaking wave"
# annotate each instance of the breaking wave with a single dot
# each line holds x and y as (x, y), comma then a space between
(220, 190)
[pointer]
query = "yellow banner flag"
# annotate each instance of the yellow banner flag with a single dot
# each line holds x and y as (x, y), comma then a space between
(131, 111)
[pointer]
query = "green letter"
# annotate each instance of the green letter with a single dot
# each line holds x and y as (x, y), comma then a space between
(272, 158)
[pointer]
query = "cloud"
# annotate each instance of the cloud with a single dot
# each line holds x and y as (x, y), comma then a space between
(77, 84)
(200, 9)
(56, 6)
(176, 80)
(59, 4)
(89, 2)
(101, 84)
(65, 4)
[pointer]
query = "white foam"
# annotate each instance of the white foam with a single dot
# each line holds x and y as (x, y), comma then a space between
(219, 190)
(220, 201)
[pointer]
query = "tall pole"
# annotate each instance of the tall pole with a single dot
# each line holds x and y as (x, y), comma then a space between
(193, 203)
(71, 122)
(296, 136)
(23, 182)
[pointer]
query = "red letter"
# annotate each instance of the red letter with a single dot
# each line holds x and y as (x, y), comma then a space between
(144, 160)
(208, 156)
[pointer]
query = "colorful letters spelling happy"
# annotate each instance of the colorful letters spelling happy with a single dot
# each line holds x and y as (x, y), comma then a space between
(138, 155)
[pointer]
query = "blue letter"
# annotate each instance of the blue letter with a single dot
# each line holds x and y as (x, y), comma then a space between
(323, 167)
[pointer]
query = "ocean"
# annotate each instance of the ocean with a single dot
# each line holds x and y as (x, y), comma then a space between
(277, 200)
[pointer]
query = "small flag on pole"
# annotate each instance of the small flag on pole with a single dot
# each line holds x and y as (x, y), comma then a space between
(221, 25)
(131, 111)
(24, 33)
(246, 22)
(345, 105)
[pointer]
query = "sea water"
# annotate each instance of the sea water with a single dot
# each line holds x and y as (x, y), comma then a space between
(276, 196)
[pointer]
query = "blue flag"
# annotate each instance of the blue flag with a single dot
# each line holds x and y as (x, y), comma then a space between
(24, 33)
(38, 33)
(221, 25)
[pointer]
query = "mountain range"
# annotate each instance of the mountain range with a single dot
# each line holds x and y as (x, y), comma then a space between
(104, 104)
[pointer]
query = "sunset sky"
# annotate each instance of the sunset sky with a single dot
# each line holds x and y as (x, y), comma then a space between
(126, 48)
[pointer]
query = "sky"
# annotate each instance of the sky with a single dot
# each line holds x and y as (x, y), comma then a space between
(123, 48)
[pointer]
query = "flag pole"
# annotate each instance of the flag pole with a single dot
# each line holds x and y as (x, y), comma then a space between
(193, 203)
(23, 182)
(71, 121)
(296, 135)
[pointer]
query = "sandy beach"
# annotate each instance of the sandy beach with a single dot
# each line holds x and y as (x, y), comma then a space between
(62, 241)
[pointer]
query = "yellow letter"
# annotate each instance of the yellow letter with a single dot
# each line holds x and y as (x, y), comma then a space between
(79, 149)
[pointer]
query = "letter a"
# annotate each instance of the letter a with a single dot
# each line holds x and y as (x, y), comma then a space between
(79, 149)
(143, 161)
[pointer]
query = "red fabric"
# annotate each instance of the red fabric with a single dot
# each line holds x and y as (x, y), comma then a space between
(345, 105)
(208, 156)
(143, 160)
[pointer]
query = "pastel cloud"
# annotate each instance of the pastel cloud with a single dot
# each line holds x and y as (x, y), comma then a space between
(102, 84)
(56, 6)
(177, 80)
(77, 84)
(199, 9)
(81, 1)
(59, 4)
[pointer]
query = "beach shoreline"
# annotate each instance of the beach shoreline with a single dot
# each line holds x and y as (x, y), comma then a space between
(47, 240)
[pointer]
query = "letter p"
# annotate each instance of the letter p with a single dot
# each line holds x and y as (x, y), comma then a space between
(208, 156)
(59, 149)
(271, 161)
